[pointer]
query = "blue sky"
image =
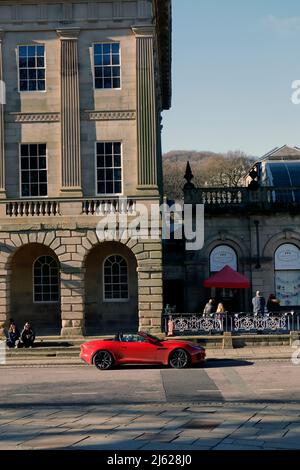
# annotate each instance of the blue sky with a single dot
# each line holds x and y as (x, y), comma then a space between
(233, 65)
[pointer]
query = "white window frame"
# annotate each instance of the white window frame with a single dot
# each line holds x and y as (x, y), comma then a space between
(96, 168)
(44, 68)
(20, 171)
(123, 300)
(33, 283)
(93, 71)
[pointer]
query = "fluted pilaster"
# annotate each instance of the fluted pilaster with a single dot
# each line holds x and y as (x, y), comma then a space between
(70, 112)
(146, 108)
(2, 99)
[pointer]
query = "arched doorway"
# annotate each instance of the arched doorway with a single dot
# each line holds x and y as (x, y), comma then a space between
(35, 288)
(111, 289)
(221, 256)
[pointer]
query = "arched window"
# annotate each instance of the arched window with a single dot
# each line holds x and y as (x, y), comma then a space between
(221, 256)
(287, 275)
(115, 278)
(45, 280)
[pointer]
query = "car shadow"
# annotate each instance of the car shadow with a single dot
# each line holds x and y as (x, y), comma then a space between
(208, 364)
(217, 363)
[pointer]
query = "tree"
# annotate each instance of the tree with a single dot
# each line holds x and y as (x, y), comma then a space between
(209, 169)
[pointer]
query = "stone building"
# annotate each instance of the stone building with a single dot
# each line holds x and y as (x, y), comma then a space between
(254, 229)
(86, 82)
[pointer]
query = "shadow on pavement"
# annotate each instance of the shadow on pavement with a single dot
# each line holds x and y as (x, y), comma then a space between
(210, 363)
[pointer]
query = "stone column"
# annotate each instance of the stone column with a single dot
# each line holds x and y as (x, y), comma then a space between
(71, 256)
(150, 283)
(146, 108)
(70, 113)
(2, 100)
(72, 299)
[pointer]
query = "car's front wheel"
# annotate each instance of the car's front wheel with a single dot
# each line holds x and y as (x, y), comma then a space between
(179, 359)
(103, 360)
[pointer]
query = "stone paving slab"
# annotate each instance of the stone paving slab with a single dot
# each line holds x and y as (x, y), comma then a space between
(100, 429)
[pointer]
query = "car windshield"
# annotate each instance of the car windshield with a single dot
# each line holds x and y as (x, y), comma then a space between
(154, 338)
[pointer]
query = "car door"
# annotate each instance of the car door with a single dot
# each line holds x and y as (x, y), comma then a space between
(138, 350)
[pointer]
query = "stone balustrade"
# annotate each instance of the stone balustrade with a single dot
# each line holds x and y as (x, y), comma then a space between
(103, 206)
(242, 197)
(86, 207)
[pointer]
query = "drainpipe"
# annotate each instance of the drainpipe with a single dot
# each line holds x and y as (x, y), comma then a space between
(258, 266)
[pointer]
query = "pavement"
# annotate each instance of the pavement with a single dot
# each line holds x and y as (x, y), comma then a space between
(227, 404)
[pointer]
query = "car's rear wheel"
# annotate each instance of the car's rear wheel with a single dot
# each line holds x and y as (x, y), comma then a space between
(103, 360)
(179, 359)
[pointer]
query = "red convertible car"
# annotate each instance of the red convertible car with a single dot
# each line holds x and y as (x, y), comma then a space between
(140, 348)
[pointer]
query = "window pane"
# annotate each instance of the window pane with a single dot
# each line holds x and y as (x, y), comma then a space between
(25, 190)
(100, 148)
(24, 150)
(31, 51)
(43, 190)
(108, 161)
(40, 62)
(23, 85)
(115, 59)
(98, 83)
(23, 74)
(108, 148)
(40, 74)
(32, 85)
(106, 48)
(118, 187)
(33, 163)
(98, 48)
(98, 60)
(25, 177)
(109, 188)
(42, 149)
(107, 72)
(32, 73)
(33, 150)
(107, 83)
(115, 48)
(24, 163)
(40, 50)
(22, 51)
(31, 62)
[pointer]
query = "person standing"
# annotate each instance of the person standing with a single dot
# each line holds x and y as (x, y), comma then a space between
(209, 308)
(219, 314)
(259, 304)
(170, 326)
(273, 304)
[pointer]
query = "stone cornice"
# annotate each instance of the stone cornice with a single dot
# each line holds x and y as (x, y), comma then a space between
(68, 34)
(111, 115)
(147, 31)
(35, 117)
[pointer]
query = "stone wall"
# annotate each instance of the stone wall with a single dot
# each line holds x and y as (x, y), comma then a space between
(240, 234)
(71, 248)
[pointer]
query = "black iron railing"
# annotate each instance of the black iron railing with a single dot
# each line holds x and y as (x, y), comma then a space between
(236, 323)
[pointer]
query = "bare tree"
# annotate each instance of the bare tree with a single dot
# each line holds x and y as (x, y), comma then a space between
(209, 169)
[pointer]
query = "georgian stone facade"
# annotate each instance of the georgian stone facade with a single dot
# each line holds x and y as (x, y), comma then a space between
(70, 116)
